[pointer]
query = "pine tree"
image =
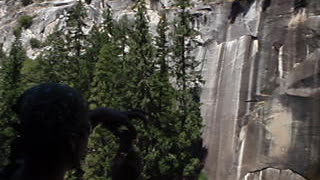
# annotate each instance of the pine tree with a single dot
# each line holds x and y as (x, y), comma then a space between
(173, 112)
(160, 127)
(31, 73)
(50, 65)
(106, 91)
(10, 90)
(102, 149)
(64, 61)
(127, 69)
(163, 70)
(140, 60)
(107, 82)
(122, 31)
(106, 66)
(75, 26)
(11, 77)
(188, 81)
(54, 61)
(140, 70)
(76, 43)
(3, 125)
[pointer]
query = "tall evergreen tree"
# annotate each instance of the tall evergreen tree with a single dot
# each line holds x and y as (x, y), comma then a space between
(76, 43)
(78, 66)
(161, 115)
(10, 90)
(31, 73)
(53, 62)
(99, 35)
(75, 26)
(188, 81)
(122, 31)
(63, 59)
(3, 124)
(140, 70)
(163, 70)
(140, 60)
(107, 70)
(127, 68)
(106, 91)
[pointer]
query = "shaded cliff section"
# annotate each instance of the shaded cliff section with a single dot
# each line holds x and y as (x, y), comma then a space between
(261, 99)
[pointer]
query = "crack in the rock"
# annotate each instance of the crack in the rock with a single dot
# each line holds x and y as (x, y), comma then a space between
(236, 9)
(271, 167)
(265, 5)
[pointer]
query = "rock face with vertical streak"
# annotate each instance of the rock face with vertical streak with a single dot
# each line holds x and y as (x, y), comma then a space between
(261, 64)
(261, 99)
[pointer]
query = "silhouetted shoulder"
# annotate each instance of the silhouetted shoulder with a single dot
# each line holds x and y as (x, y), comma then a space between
(2, 175)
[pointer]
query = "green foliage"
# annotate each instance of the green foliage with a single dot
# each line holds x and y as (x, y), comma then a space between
(104, 58)
(140, 78)
(76, 42)
(35, 43)
(187, 80)
(107, 78)
(122, 66)
(102, 149)
(140, 60)
(17, 32)
(31, 73)
(53, 62)
(203, 176)
(106, 90)
(25, 21)
(10, 89)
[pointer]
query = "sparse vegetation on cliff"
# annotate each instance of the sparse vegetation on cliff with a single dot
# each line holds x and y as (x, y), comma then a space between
(25, 21)
(10, 89)
(35, 43)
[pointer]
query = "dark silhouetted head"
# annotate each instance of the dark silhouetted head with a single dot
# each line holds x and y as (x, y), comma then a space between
(54, 124)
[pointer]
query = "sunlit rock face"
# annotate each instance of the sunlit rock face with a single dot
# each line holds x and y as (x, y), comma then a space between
(260, 62)
(261, 99)
(51, 15)
(47, 17)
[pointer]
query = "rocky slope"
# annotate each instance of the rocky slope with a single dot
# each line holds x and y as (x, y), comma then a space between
(261, 99)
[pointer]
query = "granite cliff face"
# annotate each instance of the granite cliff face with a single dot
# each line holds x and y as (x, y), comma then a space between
(261, 64)
(261, 98)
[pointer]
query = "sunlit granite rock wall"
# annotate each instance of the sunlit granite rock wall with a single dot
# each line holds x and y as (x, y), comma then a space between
(261, 99)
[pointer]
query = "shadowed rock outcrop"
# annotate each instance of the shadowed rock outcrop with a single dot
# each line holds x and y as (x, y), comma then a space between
(274, 174)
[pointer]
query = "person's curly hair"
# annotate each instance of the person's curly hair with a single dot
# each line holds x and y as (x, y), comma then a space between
(48, 113)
